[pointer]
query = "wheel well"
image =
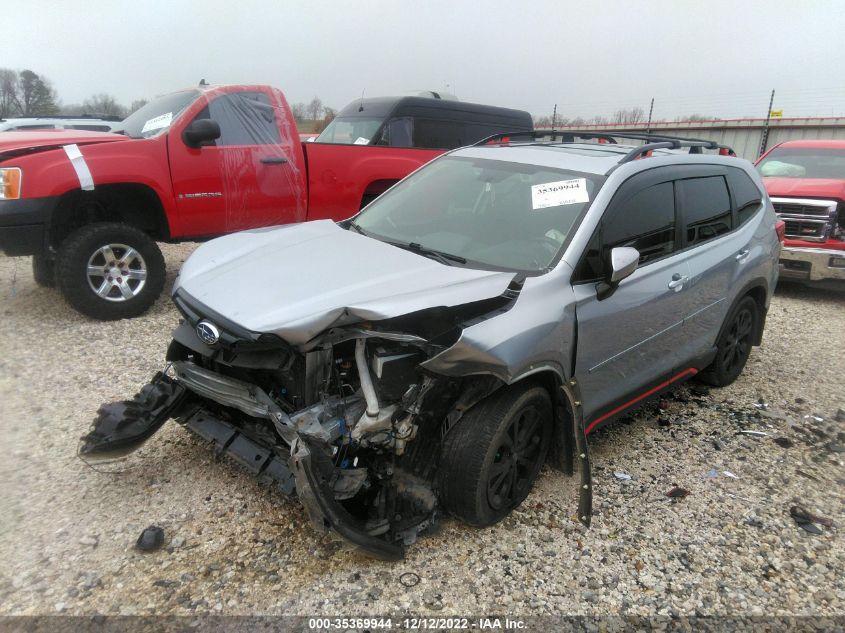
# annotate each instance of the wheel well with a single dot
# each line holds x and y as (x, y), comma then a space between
(758, 293)
(130, 203)
(374, 190)
(560, 453)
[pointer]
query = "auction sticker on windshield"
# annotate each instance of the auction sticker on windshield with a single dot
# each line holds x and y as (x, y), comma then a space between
(156, 123)
(555, 194)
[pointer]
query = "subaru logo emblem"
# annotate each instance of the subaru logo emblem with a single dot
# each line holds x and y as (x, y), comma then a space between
(208, 332)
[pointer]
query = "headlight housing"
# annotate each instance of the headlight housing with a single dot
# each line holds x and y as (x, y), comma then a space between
(10, 183)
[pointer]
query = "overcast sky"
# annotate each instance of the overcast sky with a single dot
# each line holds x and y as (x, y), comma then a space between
(703, 56)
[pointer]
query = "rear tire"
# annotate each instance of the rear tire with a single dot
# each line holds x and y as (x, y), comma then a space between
(44, 271)
(734, 345)
(110, 271)
(490, 460)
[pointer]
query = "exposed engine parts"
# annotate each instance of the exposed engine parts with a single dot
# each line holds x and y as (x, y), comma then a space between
(354, 426)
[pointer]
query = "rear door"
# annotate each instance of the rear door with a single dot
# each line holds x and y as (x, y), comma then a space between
(719, 222)
(629, 342)
(248, 177)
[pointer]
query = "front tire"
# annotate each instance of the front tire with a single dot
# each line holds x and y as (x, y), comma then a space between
(110, 271)
(734, 345)
(490, 460)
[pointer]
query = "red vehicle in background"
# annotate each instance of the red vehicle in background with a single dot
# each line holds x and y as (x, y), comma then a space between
(806, 182)
(200, 163)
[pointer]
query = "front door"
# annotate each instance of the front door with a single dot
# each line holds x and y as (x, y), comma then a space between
(247, 178)
(629, 342)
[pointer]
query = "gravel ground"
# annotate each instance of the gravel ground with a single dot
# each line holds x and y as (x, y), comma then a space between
(234, 547)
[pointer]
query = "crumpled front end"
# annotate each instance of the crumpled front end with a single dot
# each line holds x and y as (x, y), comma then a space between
(350, 421)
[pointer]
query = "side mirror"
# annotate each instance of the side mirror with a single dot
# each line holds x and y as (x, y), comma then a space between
(200, 132)
(623, 262)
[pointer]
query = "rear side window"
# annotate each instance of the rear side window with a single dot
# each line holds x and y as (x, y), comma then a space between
(434, 134)
(645, 221)
(746, 195)
(707, 208)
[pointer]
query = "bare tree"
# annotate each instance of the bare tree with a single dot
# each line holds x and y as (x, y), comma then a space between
(299, 111)
(314, 109)
(9, 104)
(628, 115)
(696, 117)
(103, 105)
(137, 105)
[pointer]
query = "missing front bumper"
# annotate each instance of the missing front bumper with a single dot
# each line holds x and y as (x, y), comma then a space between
(307, 470)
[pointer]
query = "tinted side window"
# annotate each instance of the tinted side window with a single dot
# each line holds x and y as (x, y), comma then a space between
(399, 132)
(245, 118)
(646, 221)
(707, 208)
(434, 134)
(746, 195)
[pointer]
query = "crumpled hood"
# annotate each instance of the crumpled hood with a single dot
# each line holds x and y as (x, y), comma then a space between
(19, 143)
(805, 187)
(298, 280)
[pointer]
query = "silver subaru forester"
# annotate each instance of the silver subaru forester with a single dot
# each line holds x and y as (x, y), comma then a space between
(480, 318)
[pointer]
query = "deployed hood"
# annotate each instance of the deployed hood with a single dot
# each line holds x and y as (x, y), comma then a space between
(805, 187)
(19, 143)
(298, 280)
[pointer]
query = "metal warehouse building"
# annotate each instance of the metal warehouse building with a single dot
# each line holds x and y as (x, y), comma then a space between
(745, 136)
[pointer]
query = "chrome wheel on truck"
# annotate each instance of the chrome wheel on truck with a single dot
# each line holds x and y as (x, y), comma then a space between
(110, 270)
(117, 272)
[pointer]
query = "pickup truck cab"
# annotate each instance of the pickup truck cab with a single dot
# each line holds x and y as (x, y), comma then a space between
(806, 182)
(189, 165)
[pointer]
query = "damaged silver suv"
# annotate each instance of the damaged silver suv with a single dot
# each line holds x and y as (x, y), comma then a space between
(476, 321)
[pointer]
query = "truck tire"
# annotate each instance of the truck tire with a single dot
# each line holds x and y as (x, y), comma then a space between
(491, 458)
(734, 345)
(109, 270)
(44, 271)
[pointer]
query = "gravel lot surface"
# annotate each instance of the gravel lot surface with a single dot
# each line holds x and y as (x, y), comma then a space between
(234, 547)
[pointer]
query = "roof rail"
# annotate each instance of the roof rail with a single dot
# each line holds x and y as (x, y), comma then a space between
(653, 141)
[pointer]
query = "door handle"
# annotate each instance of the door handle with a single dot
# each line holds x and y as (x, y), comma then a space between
(274, 160)
(678, 282)
(742, 255)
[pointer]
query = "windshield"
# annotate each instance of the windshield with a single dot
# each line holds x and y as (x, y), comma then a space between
(350, 131)
(494, 213)
(157, 115)
(804, 162)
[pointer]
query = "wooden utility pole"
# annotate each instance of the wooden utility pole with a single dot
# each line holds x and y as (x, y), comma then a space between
(765, 140)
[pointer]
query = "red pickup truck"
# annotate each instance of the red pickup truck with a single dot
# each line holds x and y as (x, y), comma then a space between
(200, 163)
(806, 182)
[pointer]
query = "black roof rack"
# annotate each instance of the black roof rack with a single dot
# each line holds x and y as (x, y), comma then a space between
(653, 141)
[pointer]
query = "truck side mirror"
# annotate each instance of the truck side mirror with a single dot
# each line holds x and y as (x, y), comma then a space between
(623, 261)
(201, 132)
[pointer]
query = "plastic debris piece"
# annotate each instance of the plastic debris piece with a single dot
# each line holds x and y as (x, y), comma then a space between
(784, 442)
(800, 515)
(677, 493)
(622, 476)
(728, 473)
(151, 539)
(754, 433)
(712, 473)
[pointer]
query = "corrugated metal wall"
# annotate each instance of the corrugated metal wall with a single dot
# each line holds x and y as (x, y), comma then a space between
(743, 135)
